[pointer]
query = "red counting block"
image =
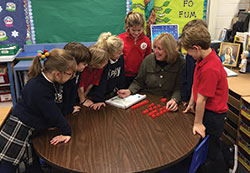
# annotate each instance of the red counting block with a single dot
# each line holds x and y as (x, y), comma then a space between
(140, 104)
(154, 111)
(163, 100)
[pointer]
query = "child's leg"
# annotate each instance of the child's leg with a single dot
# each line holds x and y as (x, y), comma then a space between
(35, 167)
(7, 167)
(214, 124)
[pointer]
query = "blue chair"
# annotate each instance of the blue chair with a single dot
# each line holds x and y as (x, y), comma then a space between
(199, 155)
(191, 163)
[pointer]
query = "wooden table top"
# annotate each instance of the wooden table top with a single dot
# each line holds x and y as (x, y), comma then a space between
(4, 112)
(117, 140)
(240, 84)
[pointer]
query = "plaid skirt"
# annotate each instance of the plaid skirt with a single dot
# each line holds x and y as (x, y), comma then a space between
(15, 145)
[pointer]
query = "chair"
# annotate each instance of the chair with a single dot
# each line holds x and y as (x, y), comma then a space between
(199, 155)
(191, 163)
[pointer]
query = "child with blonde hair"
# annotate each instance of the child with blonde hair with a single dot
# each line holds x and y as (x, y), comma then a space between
(113, 76)
(92, 74)
(136, 45)
(38, 109)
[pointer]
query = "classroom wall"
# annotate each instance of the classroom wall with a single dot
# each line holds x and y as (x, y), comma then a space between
(221, 13)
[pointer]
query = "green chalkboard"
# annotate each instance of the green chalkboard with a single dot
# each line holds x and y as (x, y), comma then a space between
(58, 21)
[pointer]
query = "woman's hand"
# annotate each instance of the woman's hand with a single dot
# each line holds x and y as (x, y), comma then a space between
(124, 93)
(97, 106)
(172, 105)
(60, 138)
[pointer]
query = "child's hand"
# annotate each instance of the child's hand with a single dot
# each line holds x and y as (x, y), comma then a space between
(52, 128)
(200, 129)
(76, 109)
(189, 108)
(60, 138)
(97, 106)
(172, 105)
(124, 93)
(88, 103)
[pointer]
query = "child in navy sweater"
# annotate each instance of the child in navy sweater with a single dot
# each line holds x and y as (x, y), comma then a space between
(113, 76)
(38, 108)
(83, 58)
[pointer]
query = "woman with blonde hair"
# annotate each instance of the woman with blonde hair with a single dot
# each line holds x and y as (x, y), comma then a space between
(160, 72)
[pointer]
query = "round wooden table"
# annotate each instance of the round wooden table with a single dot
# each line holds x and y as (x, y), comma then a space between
(118, 140)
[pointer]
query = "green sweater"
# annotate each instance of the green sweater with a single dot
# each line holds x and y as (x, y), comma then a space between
(159, 81)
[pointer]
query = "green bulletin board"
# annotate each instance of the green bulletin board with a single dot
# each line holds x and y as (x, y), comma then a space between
(58, 21)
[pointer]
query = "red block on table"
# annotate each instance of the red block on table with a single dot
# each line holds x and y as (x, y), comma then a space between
(140, 104)
(163, 100)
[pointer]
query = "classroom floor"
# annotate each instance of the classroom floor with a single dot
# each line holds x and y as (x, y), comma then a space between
(49, 169)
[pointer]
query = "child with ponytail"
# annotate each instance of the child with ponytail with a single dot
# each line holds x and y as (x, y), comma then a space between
(113, 76)
(38, 109)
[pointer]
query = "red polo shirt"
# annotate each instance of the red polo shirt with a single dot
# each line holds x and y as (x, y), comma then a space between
(210, 80)
(90, 76)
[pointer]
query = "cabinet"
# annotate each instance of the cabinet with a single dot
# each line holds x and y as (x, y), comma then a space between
(238, 88)
(243, 140)
(5, 93)
(20, 75)
(9, 62)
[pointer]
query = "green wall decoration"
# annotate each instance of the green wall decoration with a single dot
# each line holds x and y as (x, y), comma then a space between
(76, 20)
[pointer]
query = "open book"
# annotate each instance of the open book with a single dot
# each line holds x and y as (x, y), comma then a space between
(125, 103)
(230, 72)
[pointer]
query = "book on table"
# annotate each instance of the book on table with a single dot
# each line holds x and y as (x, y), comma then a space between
(126, 102)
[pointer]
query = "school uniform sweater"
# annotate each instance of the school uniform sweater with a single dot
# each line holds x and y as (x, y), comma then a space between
(134, 52)
(113, 77)
(70, 94)
(187, 78)
(37, 106)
